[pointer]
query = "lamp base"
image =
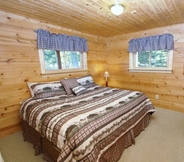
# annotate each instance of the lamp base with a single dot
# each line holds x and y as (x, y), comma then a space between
(106, 83)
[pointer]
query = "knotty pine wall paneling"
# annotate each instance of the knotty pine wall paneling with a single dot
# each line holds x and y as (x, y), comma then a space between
(169, 87)
(19, 63)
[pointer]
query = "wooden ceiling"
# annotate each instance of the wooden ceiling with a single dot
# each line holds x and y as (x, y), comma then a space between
(94, 16)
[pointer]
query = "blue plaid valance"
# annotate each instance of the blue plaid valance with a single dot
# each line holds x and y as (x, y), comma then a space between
(158, 42)
(62, 42)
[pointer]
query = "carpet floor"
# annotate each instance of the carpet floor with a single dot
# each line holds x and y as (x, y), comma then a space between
(162, 141)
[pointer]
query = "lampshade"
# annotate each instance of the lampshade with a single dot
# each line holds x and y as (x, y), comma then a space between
(117, 9)
(106, 74)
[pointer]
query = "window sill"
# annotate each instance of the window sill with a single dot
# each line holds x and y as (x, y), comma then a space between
(151, 70)
(64, 73)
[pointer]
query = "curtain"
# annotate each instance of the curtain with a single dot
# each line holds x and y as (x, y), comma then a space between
(62, 42)
(158, 42)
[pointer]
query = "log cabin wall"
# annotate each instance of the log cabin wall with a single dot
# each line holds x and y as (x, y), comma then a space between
(19, 63)
(169, 87)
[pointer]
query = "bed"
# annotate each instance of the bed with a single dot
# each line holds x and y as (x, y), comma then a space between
(77, 120)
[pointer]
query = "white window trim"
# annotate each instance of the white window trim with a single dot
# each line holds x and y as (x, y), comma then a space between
(61, 71)
(133, 68)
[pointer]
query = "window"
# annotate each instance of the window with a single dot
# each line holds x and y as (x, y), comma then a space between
(151, 61)
(53, 61)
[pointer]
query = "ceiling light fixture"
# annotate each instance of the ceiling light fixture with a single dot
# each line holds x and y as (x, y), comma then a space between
(117, 9)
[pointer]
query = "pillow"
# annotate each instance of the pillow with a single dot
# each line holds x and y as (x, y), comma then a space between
(69, 84)
(79, 90)
(47, 89)
(86, 81)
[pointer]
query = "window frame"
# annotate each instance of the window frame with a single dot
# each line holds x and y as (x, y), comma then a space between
(133, 57)
(83, 68)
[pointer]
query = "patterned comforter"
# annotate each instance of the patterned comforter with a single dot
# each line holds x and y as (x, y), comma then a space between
(85, 126)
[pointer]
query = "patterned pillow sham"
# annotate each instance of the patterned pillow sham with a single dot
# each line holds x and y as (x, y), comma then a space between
(86, 81)
(69, 84)
(46, 89)
(79, 90)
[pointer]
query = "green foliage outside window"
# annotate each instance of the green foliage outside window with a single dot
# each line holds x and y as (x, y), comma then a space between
(70, 59)
(61, 59)
(50, 58)
(152, 58)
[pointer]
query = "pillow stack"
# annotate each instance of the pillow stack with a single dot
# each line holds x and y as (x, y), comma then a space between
(68, 86)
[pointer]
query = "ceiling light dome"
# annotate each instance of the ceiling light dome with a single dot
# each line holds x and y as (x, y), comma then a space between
(117, 9)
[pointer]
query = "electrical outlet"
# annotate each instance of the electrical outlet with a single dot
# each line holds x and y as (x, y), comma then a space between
(156, 97)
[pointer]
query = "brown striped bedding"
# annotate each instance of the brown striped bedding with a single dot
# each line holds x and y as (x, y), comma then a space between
(84, 127)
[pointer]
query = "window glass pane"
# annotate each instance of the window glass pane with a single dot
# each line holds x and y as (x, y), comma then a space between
(151, 61)
(70, 59)
(143, 59)
(51, 60)
(62, 57)
(159, 58)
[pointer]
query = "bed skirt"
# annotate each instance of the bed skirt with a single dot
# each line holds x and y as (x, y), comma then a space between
(113, 154)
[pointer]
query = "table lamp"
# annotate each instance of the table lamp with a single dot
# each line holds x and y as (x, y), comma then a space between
(106, 75)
